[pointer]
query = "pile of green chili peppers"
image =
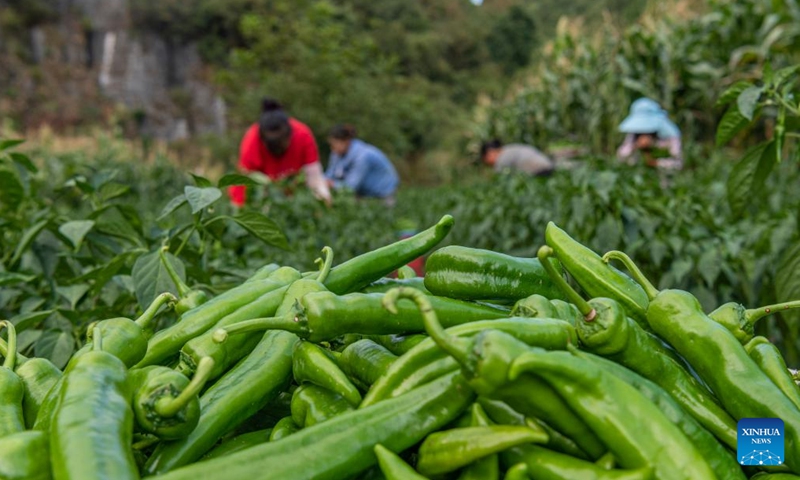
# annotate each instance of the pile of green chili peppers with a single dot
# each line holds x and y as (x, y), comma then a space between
(488, 367)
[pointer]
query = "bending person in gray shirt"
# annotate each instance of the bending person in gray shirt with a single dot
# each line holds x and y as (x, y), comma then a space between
(516, 157)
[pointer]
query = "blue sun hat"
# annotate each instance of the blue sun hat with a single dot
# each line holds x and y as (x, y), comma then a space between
(647, 116)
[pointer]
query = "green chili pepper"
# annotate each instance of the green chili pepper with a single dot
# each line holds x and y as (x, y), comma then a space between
(718, 357)
(595, 277)
(534, 306)
(310, 364)
(615, 411)
(385, 284)
(774, 476)
(252, 295)
(741, 321)
(719, 458)
(343, 446)
(405, 272)
(357, 273)
(263, 272)
(393, 467)
(366, 361)
(92, 427)
(239, 443)
(283, 428)
(239, 394)
(12, 389)
(486, 358)
(475, 274)
(312, 404)
(517, 472)
(488, 467)
(546, 464)
(165, 402)
(38, 375)
(426, 361)
(611, 334)
(125, 338)
(25, 456)
(189, 299)
(449, 450)
(502, 413)
(278, 302)
(770, 361)
(323, 316)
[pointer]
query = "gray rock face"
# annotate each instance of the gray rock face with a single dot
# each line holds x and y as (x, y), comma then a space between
(164, 84)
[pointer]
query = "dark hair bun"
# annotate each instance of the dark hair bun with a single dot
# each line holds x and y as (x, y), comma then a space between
(269, 104)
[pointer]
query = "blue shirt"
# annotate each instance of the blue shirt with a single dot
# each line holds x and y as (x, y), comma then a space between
(364, 169)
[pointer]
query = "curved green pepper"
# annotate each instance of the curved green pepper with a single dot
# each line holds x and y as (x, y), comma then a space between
(357, 273)
(25, 456)
(718, 357)
(488, 467)
(165, 402)
(366, 361)
(393, 467)
(310, 364)
(312, 404)
(596, 277)
(92, 427)
(283, 428)
(770, 361)
(12, 389)
(546, 464)
(398, 344)
(189, 299)
(517, 472)
(741, 321)
(611, 334)
(475, 274)
(239, 443)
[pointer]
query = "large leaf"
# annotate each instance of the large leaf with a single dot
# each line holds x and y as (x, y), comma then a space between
(150, 278)
(76, 230)
(748, 176)
(112, 190)
(23, 161)
(733, 92)
(55, 345)
(6, 144)
(787, 282)
(112, 221)
(73, 293)
(12, 278)
(27, 320)
(260, 226)
(200, 198)
(172, 205)
(12, 191)
(236, 179)
(748, 100)
(732, 123)
(27, 238)
(201, 181)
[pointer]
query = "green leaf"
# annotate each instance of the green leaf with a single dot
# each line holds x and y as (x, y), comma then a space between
(200, 198)
(111, 221)
(172, 205)
(260, 226)
(748, 175)
(27, 320)
(12, 278)
(787, 280)
(55, 345)
(112, 190)
(237, 179)
(12, 191)
(75, 231)
(27, 338)
(73, 293)
(150, 278)
(748, 100)
(733, 92)
(201, 182)
(732, 123)
(680, 269)
(710, 265)
(23, 161)
(6, 144)
(27, 238)
(784, 74)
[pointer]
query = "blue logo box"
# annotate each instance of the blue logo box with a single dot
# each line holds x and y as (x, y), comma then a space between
(759, 441)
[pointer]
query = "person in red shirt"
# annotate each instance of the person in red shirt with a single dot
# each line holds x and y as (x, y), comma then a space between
(280, 146)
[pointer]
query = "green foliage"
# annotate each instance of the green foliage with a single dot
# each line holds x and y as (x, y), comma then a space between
(511, 41)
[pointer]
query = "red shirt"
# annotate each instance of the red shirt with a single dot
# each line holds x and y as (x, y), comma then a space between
(254, 156)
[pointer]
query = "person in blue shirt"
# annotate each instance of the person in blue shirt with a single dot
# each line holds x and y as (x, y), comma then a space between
(359, 166)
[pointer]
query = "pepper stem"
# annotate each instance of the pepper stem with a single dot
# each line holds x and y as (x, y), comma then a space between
(97, 338)
(4, 353)
(756, 314)
(325, 265)
(11, 353)
(455, 347)
(637, 274)
(544, 254)
(169, 407)
(289, 322)
(147, 317)
(183, 289)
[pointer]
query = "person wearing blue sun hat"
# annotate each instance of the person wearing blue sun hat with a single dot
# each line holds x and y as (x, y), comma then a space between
(651, 136)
